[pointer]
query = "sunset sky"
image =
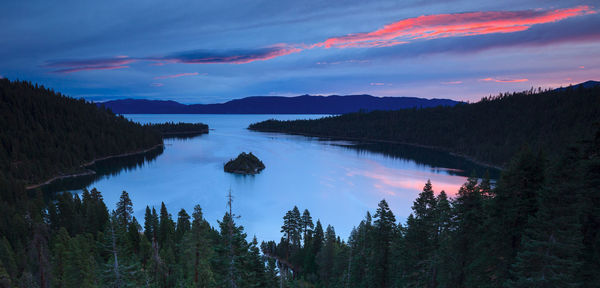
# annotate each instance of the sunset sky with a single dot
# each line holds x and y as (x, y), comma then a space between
(214, 51)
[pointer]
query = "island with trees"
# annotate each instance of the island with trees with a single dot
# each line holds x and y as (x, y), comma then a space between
(245, 163)
(536, 226)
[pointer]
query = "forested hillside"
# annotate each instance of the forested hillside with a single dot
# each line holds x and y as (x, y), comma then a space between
(537, 227)
(491, 130)
(45, 133)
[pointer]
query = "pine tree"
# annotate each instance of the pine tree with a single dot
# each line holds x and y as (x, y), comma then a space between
(183, 225)
(550, 254)
(326, 256)
(148, 224)
(166, 227)
(515, 201)
(468, 219)
(384, 233)
(124, 210)
(307, 224)
(199, 252)
(421, 233)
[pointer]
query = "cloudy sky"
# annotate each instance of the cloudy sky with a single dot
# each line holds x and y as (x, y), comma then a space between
(213, 51)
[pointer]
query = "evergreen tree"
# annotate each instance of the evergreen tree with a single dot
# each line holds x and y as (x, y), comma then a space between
(516, 199)
(552, 241)
(307, 224)
(183, 225)
(166, 227)
(384, 233)
(421, 234)
(467, 228)
(124, 210)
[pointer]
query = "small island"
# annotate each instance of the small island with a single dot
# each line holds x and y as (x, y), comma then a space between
(244, 164)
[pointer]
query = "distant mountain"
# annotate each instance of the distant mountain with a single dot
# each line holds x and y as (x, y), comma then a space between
(491, 131)
(304, 104)
(586, 84)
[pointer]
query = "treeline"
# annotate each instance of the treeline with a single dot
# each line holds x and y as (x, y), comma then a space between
(45, 133)
(538, 226)
(491, 130)
(180, 128)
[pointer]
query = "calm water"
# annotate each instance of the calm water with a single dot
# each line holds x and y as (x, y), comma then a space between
(337, 181)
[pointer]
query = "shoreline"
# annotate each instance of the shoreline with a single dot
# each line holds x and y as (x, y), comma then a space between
(88, 172)
(389, 142)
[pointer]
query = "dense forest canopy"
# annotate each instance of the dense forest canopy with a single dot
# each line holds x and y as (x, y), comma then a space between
(538, 226)
(180, 128)
(491, 130)
(45, 133)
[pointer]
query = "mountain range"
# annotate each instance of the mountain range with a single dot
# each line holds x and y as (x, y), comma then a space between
(305, 104)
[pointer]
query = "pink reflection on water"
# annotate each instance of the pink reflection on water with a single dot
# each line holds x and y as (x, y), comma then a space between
(396, 182)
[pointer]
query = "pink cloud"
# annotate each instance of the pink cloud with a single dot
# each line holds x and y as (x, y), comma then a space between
(452, 82)
(157, 84)
(452, 25)
(405, 31)
(176, 75)
(377, 84)
(504, 80)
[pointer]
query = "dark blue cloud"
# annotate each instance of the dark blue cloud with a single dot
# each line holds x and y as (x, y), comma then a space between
(227, 56)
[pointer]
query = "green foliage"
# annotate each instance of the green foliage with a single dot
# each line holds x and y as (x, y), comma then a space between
(492, 130)
(45, 133)
(537, 226)
(180, 129)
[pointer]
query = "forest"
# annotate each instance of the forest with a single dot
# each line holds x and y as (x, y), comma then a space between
(489, 131)
(538, 225)
(171, 129)
(45, 133)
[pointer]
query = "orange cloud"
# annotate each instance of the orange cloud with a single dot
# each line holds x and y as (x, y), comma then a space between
(452, 25)
(504, 80)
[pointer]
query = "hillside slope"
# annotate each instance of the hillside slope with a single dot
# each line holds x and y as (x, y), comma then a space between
(489, 131)
(44, 133)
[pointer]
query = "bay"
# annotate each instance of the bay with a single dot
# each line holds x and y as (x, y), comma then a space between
(337, 181)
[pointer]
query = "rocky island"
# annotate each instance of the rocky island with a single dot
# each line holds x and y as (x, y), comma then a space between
(244, 164)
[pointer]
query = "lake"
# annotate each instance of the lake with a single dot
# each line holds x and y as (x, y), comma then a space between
(337, 181)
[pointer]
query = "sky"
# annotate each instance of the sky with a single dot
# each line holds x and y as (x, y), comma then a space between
(215, 51)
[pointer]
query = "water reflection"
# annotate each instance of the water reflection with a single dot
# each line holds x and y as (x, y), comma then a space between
(103, 170)
(436, 160)
(337, 181)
